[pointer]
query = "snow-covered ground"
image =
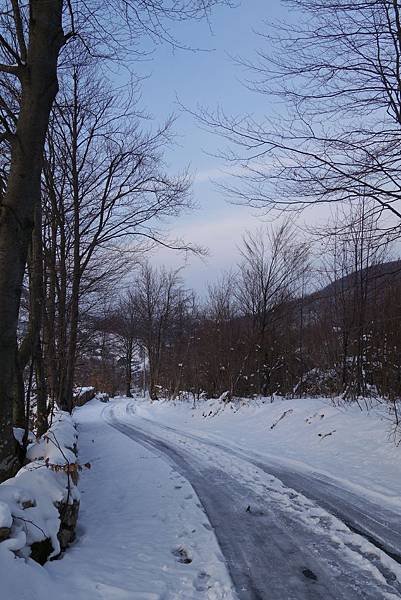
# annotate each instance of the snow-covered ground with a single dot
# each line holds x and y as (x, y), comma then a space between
(295, 499)
(355, 447)
(33, 504)
(303, 496)
(142, 534)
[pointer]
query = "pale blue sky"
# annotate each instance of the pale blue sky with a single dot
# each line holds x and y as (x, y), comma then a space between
(208, 79)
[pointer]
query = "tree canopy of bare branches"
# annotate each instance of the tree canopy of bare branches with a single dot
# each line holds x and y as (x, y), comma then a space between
(32, 37)
(335, 70)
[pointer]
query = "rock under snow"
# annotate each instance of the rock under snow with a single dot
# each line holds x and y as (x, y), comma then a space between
(39, 506)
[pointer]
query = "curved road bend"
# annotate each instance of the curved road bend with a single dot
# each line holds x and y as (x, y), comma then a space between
(278, 544)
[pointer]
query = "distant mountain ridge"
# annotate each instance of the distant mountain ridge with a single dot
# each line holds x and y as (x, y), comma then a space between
(380, 275)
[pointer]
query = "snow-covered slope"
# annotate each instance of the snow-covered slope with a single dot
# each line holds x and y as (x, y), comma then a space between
(353, 446)
(142, 533)
(290, 500)
(32, 501)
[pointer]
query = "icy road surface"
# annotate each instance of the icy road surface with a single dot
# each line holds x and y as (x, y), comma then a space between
(284, 535)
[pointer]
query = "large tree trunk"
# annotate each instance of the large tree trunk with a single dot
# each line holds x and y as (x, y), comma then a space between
(31, 346)
(49, 315)
(154, 368)
(65, 401)
(128, 368)
(37, 310)
(19, 395)
(66, 397)
(49, 341)
(39, 88)
(62, 310)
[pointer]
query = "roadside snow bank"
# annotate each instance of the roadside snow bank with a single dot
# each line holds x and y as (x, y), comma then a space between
(310, 434)
(82, 395)
(39, 506)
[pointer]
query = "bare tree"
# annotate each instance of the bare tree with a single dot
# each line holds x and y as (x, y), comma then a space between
(158, 298)
(107, 177)
(125, 326)
(271, 273)
(31, 38)
(223, 337)
(30, 43)
(354, 253)
(335, 68)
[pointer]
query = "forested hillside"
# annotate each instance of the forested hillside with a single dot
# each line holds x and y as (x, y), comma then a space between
(258, 331)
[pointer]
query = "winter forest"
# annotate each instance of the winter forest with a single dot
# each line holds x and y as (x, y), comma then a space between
(285, 359)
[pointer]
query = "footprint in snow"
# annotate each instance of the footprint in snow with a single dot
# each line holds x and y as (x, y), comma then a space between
(201, 583)
(253, 512)
(309, 574)
(182, 554)
(325, 522)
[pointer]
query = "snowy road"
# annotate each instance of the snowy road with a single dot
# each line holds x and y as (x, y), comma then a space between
(284, 535)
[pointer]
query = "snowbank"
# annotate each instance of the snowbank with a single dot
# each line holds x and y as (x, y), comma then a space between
(356, 447)
(82, 395)
(39, 506)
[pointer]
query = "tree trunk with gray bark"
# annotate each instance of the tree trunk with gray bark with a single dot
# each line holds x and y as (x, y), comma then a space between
(39, 86)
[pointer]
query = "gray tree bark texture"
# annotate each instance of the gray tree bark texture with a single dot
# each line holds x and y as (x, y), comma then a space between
(39, 87)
